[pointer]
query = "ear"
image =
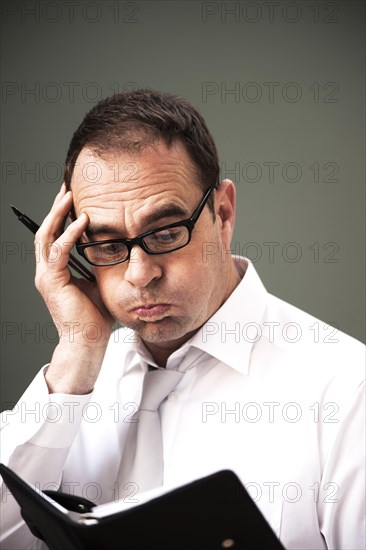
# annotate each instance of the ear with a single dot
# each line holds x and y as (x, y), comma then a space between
(225, 201)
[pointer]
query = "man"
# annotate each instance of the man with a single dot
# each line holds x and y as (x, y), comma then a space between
(260, 391)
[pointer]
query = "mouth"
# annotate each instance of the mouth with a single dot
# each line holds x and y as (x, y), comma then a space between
(151, 312)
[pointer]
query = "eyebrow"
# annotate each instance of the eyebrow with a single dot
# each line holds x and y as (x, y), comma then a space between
(167, 211)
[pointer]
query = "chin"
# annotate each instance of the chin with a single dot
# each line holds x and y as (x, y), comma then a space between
(164, 330)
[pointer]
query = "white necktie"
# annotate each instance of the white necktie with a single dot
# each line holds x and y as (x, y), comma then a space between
(142, 461)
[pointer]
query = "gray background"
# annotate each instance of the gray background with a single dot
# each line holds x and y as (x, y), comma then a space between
(291, 135)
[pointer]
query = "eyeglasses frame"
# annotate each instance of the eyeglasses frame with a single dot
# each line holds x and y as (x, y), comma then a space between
(189, 223)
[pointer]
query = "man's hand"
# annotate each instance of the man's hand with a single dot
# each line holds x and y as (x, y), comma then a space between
(83, 323)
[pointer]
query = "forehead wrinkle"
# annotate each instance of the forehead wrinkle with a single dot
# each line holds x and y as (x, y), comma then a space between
(98, 199)
(147, 188)
(155, 197)
(169, 208)
(163, 167)
(165, 180)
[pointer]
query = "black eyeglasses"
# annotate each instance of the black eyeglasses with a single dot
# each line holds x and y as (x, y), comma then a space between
(158, 241)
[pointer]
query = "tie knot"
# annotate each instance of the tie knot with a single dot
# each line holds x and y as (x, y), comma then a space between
(157, 385)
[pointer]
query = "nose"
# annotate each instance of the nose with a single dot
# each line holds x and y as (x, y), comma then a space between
(142, 268)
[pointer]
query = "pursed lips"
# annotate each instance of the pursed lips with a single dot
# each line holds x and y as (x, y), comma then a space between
(151, 311)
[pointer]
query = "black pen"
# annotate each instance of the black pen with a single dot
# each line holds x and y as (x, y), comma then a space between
(73, 262)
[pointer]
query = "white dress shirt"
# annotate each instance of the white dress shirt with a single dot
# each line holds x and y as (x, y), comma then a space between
(270, 392)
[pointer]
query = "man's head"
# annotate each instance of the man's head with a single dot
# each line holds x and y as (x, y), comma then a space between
(135, 180)
(131, 121)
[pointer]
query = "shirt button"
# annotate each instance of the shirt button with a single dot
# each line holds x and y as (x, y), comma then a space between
(173, 396)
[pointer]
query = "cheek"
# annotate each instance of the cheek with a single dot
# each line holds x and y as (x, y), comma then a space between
(199, 267)
(194, 276)
(108, 281)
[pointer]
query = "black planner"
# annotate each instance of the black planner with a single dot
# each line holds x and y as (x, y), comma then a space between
(211, 513)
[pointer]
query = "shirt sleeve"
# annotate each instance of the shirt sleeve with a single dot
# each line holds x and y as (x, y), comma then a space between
(36, 437)
(341, 504)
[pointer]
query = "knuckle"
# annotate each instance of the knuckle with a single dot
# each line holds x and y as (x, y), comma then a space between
(43, 281)
(39, 281)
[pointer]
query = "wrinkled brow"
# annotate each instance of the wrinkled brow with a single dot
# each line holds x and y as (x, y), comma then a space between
(167, 211)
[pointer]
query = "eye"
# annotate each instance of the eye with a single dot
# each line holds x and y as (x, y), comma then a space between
(167, 236)
(110, 248)
(167, 239)
(106, 252)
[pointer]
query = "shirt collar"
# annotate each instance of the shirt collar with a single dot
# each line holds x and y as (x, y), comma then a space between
(230, 334)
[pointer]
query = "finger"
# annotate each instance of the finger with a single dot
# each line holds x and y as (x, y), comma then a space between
(60, 194)
(53, 224)
(53, 257)
(59, 252)
(51, 228)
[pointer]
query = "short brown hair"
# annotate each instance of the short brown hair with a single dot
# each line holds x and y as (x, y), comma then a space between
(133, 120)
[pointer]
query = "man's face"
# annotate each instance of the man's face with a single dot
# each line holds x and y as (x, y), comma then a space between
(165, 298)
